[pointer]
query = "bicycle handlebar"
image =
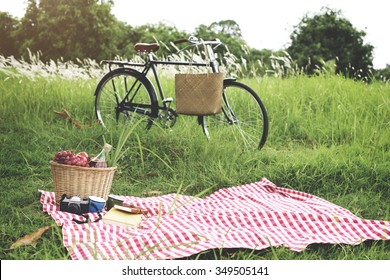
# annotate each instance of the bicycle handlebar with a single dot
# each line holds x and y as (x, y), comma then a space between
(195, 41)
(180, 41)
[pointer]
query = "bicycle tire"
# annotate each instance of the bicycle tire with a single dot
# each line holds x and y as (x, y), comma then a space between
(113, 88)
(243, 118)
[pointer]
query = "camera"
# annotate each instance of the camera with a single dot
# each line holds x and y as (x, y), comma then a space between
(74, 205)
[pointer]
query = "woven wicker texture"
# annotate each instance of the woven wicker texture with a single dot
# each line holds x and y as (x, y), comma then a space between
(198, 94)
(81, 181)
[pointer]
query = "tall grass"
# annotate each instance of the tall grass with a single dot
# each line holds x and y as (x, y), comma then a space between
(326, 110)
(328, 136)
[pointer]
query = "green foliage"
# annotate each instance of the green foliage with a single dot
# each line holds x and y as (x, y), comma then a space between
(8, 25)
(328, 36)
(69, 29)
(77, 29)
(384, 74)
(228, 31)
(158, 33)
(252, 62)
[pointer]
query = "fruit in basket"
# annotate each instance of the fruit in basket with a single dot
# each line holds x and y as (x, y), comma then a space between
(70, 158)
(83, 154)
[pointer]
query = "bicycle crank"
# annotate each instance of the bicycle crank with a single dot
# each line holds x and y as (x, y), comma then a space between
(167, 118)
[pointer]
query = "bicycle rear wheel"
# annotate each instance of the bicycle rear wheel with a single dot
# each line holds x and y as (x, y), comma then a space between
(125, 95)
(243, 119)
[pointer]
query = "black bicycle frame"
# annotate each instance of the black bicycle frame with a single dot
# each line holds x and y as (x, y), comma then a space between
(127, 105)
(151, 64)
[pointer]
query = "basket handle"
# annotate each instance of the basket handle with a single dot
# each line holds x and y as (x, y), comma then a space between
(207, 58)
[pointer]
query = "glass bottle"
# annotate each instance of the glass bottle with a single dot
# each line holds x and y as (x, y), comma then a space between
(100, 161)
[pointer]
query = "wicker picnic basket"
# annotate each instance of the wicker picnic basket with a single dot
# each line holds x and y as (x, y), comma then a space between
(81, 181)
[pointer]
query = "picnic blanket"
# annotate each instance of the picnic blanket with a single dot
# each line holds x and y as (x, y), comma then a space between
(253, 216)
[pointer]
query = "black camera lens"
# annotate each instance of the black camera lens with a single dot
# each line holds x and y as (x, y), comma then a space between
(74, 208)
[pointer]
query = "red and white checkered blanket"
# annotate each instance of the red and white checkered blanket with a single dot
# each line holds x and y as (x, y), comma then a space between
(254, 216)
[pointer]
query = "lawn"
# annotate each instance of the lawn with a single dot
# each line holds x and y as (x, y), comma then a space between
(329, 136)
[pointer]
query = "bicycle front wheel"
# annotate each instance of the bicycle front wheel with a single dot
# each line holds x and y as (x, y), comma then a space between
(125, 95)
(243, 119)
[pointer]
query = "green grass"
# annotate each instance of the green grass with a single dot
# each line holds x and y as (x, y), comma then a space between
(328, 136)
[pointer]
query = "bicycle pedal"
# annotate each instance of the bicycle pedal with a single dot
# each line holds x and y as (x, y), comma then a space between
(168, 99)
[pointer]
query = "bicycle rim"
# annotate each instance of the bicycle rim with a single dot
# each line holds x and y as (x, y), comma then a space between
(243, 119)
(110, 98)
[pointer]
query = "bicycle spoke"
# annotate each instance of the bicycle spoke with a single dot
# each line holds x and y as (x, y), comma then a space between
(121, 96)
(126, 94)
(243, 119)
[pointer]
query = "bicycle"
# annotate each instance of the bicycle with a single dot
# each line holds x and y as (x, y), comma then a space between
(125, 92)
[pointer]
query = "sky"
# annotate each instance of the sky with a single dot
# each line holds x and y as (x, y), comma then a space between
(267, 24)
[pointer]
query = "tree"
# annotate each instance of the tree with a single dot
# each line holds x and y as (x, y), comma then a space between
(228, 31)
(158, 33)
(384, 74)
(245, 60)
(70, 29)
(28, 29)
(8, 26)
(328, 36)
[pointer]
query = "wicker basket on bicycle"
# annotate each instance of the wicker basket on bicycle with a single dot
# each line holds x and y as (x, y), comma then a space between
(81, 181)
(199, 93)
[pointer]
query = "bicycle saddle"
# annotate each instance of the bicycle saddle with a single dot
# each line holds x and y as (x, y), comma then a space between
(144, 47)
